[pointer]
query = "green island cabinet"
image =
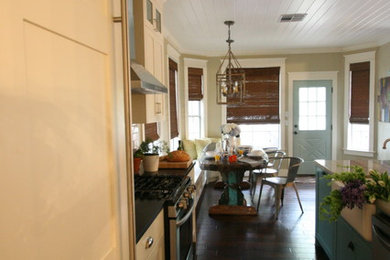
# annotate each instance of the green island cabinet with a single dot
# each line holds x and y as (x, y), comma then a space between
(339, 240)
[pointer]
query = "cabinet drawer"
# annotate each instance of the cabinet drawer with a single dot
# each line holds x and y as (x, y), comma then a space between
(350, 245)
(155, 232)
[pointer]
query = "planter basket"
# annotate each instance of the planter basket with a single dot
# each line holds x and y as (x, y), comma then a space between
(151, 162)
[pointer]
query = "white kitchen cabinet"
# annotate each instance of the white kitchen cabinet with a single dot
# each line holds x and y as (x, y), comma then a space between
(151, 246)
(149, 41)
(147, 108)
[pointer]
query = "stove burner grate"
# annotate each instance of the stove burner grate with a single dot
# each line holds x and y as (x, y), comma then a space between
(157, 186)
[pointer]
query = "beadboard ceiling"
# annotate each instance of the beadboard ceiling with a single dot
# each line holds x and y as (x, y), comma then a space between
(197, 26)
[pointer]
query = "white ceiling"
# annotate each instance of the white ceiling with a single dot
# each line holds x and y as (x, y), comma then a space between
(196, 26)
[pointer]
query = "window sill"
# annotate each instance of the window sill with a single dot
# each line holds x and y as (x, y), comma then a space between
(359, 153)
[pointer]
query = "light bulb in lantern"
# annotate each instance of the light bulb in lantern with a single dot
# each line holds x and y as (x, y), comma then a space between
(235, 88)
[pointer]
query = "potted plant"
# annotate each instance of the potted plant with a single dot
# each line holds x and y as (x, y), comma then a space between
(358, 189)
(151, 152)
(138, 156)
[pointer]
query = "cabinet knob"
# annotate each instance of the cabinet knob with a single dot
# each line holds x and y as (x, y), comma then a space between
(149, 242)
(351, 245)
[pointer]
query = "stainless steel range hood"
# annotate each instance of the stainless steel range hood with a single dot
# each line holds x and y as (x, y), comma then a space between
(142, 81)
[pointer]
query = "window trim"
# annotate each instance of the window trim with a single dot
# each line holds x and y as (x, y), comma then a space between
(265, 63)
(315, 75)
(355, 58)
(195, 63)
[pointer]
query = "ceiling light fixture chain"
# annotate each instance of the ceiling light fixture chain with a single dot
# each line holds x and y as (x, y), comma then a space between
(230, 79)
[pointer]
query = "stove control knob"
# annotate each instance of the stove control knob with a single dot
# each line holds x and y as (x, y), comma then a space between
(182, 204)
(186, 194)
(191, 188)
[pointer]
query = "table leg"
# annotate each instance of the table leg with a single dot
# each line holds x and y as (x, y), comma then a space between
(232, 194)
(232, 200)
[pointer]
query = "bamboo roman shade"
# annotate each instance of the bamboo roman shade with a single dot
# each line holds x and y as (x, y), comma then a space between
(195, 88)
(151, 131)
(172, 98)
(360, 92)
(261, 100)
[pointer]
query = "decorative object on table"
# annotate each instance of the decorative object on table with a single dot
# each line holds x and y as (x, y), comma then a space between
(230, 79)
(358, 189)
(151, 151)
(384, 99)
(230, 134)
(245, 149)
(258, 154)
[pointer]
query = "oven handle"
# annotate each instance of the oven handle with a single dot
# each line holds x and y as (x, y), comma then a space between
(379, 234)
(185, 218)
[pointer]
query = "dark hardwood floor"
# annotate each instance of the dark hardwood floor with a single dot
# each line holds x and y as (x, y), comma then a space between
(260, 237)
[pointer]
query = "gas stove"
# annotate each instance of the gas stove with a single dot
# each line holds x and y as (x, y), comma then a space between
(178, 195)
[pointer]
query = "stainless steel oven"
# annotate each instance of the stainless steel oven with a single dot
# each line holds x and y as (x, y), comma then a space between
(381, 236)
(181, 246)
(178, 194)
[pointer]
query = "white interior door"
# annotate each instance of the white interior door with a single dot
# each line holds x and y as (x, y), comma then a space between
(312, 137)
(59, 167)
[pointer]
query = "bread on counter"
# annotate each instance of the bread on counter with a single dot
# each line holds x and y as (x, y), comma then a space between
(178, 156)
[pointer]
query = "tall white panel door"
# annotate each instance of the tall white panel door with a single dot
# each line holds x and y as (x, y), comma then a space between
(58, 159)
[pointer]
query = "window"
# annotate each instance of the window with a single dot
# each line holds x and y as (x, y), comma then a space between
(259, 115)
(173, 64)
(158, 21)
(195, 96)
(195, 119)
(172, 99)
(269, 135)
(359, 104)
(149, 11)
(195, 73)
(312, 108)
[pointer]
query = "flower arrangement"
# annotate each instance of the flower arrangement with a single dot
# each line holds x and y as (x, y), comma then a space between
(231, 129)
(358, 190)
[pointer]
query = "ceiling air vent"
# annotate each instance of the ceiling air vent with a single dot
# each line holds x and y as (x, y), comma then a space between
(292, 17)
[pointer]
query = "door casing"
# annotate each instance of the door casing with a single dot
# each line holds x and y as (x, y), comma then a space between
(319, 75)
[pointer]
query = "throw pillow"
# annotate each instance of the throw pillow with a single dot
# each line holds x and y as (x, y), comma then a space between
(200, 144)
(190, 148)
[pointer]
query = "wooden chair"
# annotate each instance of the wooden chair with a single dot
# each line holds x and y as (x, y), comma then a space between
(272, 169)
(280, 182)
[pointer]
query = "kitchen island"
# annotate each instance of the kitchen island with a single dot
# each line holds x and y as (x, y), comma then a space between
(350, 236)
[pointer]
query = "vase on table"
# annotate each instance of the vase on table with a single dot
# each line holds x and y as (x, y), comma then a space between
(229, 144)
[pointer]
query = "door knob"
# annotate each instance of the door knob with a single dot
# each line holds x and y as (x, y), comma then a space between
(295, 132)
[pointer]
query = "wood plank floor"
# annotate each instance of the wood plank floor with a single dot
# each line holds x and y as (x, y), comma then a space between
(260, 237)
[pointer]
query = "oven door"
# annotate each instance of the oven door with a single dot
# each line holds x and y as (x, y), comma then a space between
(180, 235)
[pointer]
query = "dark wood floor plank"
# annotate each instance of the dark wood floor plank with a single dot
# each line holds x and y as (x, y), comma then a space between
(260, 237)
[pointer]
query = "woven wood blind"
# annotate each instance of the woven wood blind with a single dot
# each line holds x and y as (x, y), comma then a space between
(151, 131)
(261, 103)
(360, 92)
(172, 98)
(195, 88)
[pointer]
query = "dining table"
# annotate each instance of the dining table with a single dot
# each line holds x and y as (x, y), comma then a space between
(232, 200)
